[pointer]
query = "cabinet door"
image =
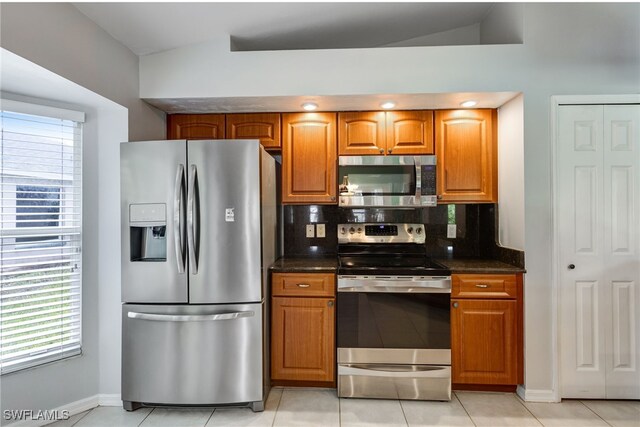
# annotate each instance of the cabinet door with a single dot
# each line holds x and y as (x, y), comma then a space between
(410, 132)
(265, 127)
(309, 158)
(361, 133)
(484, 342)
(195, 126)
(302, 339)
(466, 146)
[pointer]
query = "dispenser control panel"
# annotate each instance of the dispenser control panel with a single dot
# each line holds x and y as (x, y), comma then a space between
(148, 212)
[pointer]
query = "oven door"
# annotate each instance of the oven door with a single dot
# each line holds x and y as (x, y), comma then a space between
(387, 181)
(394, 337)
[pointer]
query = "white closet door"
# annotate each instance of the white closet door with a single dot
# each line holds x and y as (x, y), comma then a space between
(598, 215)
(622, 249)
(580, 210)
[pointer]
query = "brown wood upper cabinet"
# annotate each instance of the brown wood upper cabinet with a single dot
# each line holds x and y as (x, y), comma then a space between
(195, 126)
(265, 127)
(381, 133)
(466, 146)
(309, 158)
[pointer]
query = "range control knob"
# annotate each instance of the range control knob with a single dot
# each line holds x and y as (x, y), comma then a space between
(419, 230)
(410, 230)
(343, 230)
(352, 230)
(359, 230)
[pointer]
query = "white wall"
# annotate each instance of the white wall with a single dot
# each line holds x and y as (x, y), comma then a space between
(503, 24)
(568, 49)
(59, 38)
(467, 35)
(511, 224)
(59, 383)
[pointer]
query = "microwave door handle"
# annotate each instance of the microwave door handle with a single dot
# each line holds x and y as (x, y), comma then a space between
(418, 165)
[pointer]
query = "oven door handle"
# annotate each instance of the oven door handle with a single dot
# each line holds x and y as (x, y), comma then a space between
(440, 284)
(399, 371)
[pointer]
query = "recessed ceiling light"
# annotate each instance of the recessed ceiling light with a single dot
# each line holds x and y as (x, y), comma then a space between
(310, 106)
(387, 105)
(468, 104)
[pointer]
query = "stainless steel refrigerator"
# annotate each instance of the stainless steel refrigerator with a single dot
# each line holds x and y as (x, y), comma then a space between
(198, 237)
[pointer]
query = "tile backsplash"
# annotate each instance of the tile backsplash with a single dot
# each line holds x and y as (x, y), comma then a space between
(475, 229)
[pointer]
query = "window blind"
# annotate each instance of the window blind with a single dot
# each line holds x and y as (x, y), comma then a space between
(40, 231)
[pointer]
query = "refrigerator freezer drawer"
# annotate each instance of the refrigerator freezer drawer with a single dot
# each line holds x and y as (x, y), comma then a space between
(192, 355)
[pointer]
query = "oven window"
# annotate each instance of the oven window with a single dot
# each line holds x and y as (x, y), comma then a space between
(396, 180)
(387, 320)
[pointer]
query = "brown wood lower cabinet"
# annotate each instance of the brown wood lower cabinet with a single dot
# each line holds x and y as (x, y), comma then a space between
(486, 330)
(303, 329)
(485, 334)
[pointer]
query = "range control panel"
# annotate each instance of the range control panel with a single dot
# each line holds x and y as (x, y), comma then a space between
(381, 233)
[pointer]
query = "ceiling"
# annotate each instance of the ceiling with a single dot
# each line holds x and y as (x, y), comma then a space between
(415, 101)
(146, 28)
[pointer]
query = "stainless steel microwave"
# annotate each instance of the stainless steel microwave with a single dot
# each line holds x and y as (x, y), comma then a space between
(387, 181)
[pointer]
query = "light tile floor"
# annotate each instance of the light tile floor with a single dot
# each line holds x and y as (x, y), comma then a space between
(321, 407)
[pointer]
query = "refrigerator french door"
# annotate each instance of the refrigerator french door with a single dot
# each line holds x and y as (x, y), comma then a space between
(198, 235)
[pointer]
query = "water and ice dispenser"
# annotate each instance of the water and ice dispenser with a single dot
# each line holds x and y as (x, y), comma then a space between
(148, 230)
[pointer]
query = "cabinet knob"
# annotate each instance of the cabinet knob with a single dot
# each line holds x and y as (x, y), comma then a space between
(571, 266)
(330, 303)
(382, 151)
(455, 305)
(303, 285)
(389, 151)
(333, 198)
(439, 197)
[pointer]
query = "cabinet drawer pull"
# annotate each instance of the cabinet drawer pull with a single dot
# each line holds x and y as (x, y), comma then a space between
(303, 285)
(482, 285)
(330, 303)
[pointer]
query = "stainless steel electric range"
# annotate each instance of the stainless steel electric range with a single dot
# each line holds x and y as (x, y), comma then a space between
(393, 309)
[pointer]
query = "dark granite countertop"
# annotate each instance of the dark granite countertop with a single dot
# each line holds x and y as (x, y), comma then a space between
(478, 266)
(456, 265)
(328, 264)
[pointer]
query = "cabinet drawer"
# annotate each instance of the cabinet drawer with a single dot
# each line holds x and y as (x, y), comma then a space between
(303, 284)
(484, 286)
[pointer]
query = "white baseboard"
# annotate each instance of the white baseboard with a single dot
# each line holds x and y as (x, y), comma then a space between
(109, 400)
(73, 408)
(529, 395)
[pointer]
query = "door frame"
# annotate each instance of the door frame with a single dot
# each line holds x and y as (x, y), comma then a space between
(556, 102)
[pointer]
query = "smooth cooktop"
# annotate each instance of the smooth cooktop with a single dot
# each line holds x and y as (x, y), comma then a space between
(390, 265)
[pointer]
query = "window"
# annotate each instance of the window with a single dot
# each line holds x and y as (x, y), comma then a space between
(40, 232)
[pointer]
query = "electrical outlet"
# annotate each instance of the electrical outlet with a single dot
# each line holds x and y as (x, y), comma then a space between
(451, 231)
(311, 233)
(320, 230)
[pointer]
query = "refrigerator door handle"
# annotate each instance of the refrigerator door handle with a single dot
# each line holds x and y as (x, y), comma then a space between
(191, 317)
(178, 238)
(191, 223)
